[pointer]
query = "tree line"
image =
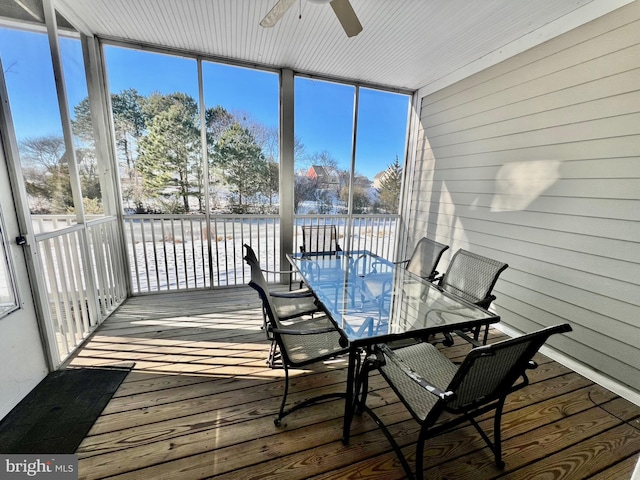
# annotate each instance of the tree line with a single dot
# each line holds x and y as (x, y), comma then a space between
(159, 151)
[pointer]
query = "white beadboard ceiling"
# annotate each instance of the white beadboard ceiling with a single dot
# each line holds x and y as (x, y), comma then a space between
(405, 44)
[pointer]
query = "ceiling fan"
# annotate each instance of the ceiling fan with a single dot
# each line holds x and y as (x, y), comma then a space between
(342, 8)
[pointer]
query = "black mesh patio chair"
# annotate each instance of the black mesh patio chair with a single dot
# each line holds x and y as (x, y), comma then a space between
(288, 305)
(423, 263)
(319, 240)
(425, 258)
(441, 395)
(300, 343)
(472, 277)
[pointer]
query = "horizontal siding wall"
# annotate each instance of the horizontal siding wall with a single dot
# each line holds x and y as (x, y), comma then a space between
(536, 162)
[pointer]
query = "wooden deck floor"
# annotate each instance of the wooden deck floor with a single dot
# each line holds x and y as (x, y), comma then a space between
(200, 403)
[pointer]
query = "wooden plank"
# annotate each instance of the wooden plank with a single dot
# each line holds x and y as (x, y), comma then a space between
(621, 470)
(576, 432)
(591, 456)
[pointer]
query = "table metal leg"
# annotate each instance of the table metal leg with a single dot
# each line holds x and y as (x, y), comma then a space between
(349, 402)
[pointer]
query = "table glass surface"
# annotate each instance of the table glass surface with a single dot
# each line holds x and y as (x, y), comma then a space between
(368, 296)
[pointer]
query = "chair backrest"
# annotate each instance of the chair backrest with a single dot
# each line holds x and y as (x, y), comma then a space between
(319, 240)
(425, 258)
(295, 348)
(472, 277)
(490, 372)
(251, 256)
(257, 277)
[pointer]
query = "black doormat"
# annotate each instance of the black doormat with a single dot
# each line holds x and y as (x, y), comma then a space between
(56, 415)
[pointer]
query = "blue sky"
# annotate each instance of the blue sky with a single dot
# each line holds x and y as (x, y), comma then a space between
(324, 110)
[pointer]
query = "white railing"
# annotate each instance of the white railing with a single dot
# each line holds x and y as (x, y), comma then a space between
(76, 302)
(173, 252)
(376, 233)
(107, 256)
(83, 266)
(50, 223)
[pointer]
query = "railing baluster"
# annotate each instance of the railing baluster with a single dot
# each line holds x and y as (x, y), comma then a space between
(155, 251)
(145, 253)
(172, 247)
(193, 255)
(102, 261)
(79, 291)
(134, 253)
(226, 252)
(64, 289)
(48, 252)
(205, 253)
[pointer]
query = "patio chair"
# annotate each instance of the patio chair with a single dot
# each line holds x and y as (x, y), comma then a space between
(423, 263)
(425, 258)
(300, 343)
(319, 240)
(472, 277)
(288, 305)
(441, 395)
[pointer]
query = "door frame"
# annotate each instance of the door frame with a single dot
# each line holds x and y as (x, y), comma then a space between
(36, 285)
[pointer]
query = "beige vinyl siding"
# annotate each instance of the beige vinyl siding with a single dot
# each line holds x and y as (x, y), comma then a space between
(536, 162)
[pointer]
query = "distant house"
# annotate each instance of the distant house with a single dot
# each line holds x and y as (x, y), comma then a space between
(377, 180)
(320, 173)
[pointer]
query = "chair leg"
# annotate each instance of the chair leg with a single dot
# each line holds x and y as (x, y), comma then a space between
(497, 434)
(282, 413)
(486, 334)
(420, 454)
(496, 445)
(362, 384)
(394, 444)
(274, 355)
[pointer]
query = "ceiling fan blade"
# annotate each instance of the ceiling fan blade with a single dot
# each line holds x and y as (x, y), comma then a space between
(276, 13)
(347, 17)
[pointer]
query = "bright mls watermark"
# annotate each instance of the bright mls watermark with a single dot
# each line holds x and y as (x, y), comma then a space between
(52, 467)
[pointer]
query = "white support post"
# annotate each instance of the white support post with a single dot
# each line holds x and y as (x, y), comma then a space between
(67, 131)
(107, 166)
(287, 173)
(352, 179)
(408, 173)
(205, 170)
(99, 102)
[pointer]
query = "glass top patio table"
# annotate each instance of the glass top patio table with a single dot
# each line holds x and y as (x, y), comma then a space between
(372, 300)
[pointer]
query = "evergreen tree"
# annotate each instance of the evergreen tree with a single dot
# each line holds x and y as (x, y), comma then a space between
(241, 162)
(129, 122)
(168, 156)
(390, 187)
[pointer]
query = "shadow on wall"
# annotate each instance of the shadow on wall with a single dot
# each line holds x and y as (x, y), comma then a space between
(519, 184)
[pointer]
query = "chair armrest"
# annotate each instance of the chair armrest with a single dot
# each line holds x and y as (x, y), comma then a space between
(467, 338)
(413, 375)
(308, 331)
(486, 302)
(308, 294)
(433, 277)
(277, 271)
